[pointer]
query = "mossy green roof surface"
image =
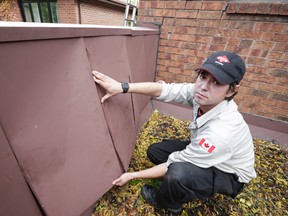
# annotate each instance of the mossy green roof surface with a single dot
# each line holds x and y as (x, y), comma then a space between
(265, 195)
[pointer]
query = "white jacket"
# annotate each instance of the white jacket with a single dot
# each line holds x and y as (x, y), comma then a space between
(219, 138)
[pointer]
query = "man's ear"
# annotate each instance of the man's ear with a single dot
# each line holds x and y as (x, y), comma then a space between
(237, 88)
(231, 92)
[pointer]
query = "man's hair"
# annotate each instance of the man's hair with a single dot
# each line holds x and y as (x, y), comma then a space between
(232, 87)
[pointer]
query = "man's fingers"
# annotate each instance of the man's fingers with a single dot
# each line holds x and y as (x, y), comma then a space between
(116, 181)
(110, 85)
(95, 73)
(98, 81)
(98, 75)
(105, 97)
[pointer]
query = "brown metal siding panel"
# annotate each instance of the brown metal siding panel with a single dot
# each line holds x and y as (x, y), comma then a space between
(55, 123)
(69, 146)
(16, 197)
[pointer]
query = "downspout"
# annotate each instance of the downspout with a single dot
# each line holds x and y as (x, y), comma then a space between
(79, 11)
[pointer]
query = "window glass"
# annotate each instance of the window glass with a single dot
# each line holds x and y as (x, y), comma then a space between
(54, 11)
(27, 13)
(36, 14)
(45, 12)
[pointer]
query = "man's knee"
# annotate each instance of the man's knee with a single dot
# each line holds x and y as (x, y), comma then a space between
(150, 150)
(191, 177)
(151, 154)
(177, 173)
(226, 183)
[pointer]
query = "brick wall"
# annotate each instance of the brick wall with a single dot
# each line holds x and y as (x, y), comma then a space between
(92, 12)
(192, 30)
(9, 11)
(100, 13)
(68, 11)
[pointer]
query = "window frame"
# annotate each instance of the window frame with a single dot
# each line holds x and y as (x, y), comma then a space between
(39, 5)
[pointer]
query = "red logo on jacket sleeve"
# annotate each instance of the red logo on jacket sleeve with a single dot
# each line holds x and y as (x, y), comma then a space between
(206, 145)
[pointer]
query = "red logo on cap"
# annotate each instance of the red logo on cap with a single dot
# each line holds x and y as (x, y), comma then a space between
(223, 59)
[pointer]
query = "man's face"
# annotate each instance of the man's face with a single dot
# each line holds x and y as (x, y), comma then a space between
(209, 92)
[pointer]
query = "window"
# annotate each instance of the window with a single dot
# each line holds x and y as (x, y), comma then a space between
(45, 11)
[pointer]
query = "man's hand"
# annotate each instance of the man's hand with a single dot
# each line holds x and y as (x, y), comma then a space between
(153, 172)
(111, 86)
(123, 179)
(114, 87)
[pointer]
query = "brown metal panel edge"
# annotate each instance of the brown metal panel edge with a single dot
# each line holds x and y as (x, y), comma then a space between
(16, 198)
(143, 67)
(138, 65)
(108, 55)
(145, 115)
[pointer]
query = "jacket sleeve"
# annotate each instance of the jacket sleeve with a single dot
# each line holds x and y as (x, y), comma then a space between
(179, 93)
(204, 151)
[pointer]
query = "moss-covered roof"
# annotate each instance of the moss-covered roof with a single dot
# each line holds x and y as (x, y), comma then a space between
(265, 195)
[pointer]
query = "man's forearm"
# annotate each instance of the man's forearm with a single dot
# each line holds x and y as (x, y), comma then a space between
(153, 172)
(146, 88)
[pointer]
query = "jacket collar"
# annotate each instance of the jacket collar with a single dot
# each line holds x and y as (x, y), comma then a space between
(221, 107)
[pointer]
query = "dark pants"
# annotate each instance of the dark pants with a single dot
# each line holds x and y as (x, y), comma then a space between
(184, 181)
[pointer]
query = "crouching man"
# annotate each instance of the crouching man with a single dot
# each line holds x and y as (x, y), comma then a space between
(219, 158)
